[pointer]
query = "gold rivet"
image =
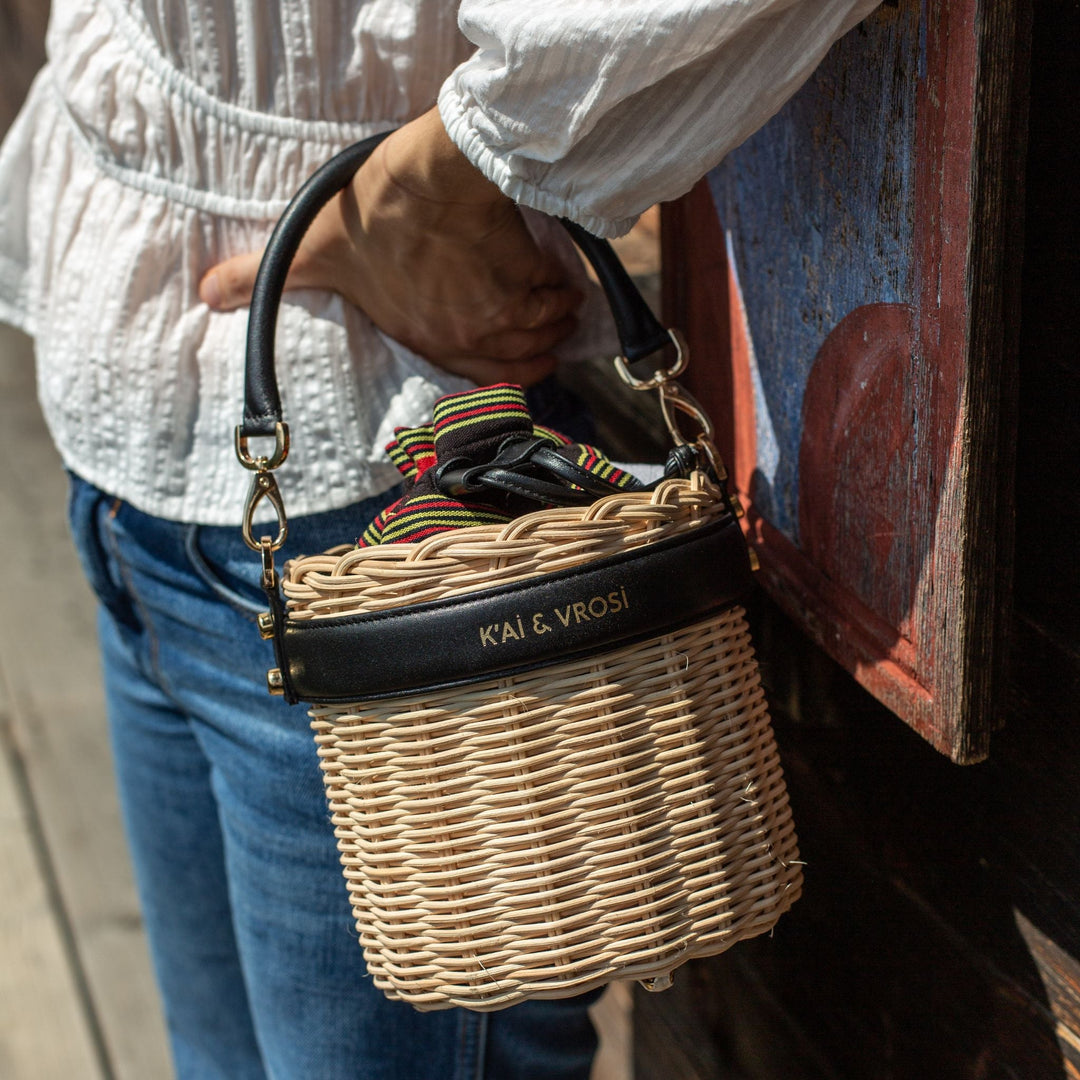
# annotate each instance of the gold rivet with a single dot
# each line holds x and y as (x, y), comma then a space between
(266, 625)
(755, 562)
(274, 682)
(737, 506)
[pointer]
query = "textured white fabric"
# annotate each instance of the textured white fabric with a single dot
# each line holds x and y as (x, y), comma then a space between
(166, 135)
(595, 109)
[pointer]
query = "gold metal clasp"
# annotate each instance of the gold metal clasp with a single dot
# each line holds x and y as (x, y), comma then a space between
(269, 573)
(675, 400)
(264, 486)
(711, 455)
(257, 464)
(662, 375)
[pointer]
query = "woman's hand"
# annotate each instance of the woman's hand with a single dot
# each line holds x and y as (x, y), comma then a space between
(436, 256)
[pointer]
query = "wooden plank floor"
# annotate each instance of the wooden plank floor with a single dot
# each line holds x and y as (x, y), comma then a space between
(77, 998)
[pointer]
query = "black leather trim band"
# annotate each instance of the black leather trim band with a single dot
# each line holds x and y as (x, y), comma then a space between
(513, 628)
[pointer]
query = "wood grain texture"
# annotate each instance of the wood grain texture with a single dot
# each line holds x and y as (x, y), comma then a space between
(819, 208)
(78, 996)
(613, 1018)
(855, 471)
(939, 934)
(43, 1030)
(864, 372)
(1060, 975)
(57, 727)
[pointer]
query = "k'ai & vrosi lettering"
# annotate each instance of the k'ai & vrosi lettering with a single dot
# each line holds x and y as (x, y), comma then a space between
(517, 627)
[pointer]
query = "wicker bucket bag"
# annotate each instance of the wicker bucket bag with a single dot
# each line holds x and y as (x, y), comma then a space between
(546, 750)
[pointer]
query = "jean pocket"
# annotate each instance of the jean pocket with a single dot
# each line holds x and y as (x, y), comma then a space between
(230, 573)
(87, 507)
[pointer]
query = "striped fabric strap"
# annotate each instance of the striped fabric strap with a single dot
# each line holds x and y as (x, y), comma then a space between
(475, 415)
(469, 426)
(412, 451)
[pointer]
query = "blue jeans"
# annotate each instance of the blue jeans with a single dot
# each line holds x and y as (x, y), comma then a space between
(235, 859)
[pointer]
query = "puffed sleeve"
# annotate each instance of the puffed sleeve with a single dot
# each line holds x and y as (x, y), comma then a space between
(595, 109)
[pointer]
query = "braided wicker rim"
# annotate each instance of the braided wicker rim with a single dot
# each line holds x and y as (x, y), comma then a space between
(605, 818)
(349, 580)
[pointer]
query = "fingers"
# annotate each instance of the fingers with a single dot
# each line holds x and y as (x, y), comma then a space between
(228, 285)
(532, 325)
(526, 329)
(545, 305)
(517, 345)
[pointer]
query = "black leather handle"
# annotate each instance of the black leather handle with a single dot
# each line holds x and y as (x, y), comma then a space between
(639, 332)
(640, 335)
(262, 402)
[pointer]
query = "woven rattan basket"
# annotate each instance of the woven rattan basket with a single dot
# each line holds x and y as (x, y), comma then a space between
(606, 818)
(545, 746)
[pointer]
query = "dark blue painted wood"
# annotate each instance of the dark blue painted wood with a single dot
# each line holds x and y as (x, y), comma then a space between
(820, 210)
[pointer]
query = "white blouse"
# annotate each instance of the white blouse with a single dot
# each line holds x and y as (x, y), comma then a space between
(166, 135)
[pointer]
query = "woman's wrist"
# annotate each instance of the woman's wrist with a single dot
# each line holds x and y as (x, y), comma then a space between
(419, 165)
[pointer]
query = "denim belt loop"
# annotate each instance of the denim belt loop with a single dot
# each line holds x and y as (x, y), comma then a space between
(89, 511)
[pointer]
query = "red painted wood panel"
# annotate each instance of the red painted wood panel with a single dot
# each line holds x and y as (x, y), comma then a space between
(896, 557)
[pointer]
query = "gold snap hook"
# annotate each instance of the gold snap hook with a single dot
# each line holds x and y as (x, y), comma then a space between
(269, 573)
(674, 400)
(258, 464)
(662, 376)
(711, 455)
(264, 486)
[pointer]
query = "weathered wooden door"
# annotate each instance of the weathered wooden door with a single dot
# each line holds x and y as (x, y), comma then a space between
(847, 281)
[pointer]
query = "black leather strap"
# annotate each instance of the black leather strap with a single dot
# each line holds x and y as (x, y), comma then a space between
(530, 468)
(262, 402)
(540, 491)
(639, 332)
(513, 628)
(570, 473)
